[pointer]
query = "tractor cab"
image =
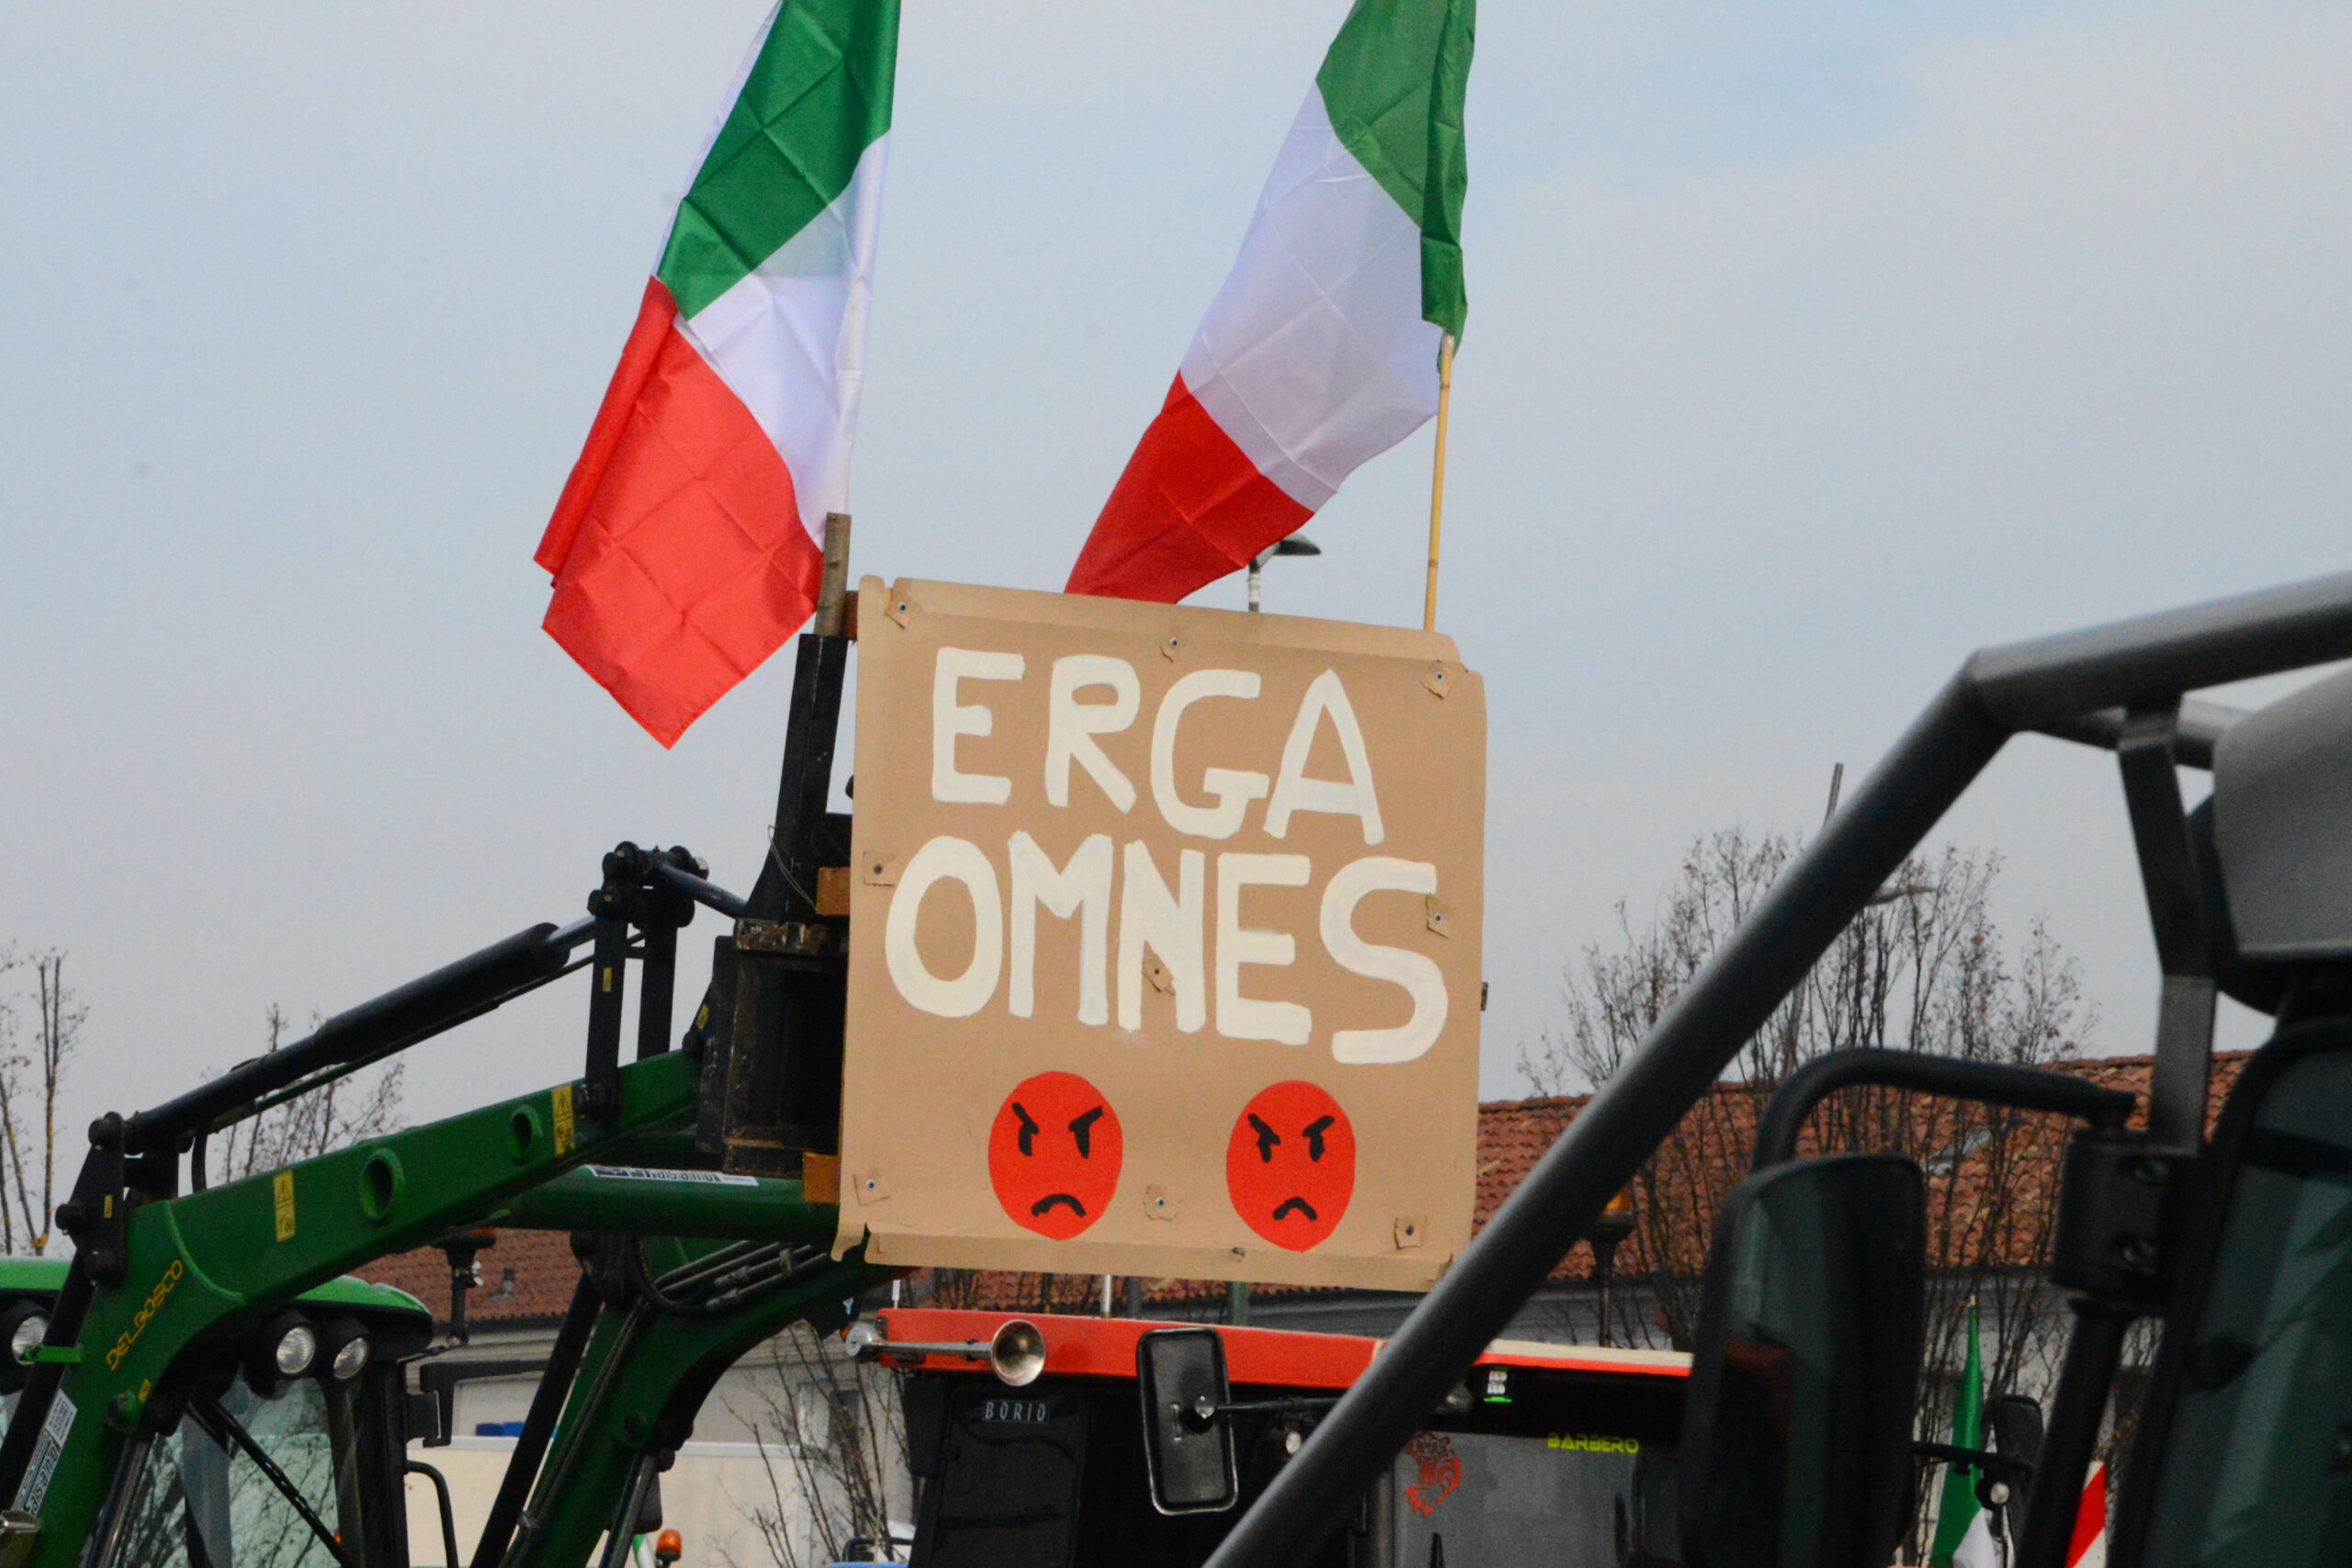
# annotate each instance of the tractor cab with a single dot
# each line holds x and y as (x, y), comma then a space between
(292, 1443)
(1559, 1454)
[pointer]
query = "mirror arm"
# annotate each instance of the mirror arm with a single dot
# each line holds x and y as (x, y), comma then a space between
(1992, 1083)
(1973, 1459)
(1205, 1413)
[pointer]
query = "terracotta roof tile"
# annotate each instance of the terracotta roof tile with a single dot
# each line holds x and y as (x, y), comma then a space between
(526, 1279)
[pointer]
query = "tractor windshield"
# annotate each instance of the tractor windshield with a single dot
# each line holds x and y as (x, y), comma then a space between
(248, 1482)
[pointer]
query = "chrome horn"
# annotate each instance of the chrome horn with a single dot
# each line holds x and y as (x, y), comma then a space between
(1016, 1354)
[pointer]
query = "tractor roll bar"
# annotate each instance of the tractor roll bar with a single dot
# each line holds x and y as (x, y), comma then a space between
(2061, 683)
(1999, 1083)
(400, 1017)
(2199, 730)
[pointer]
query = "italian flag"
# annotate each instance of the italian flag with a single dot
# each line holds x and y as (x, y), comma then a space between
(1321, 350)
(1962, 1534)
(688, 544)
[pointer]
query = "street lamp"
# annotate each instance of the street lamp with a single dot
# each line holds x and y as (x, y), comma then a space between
(1296, 544)
(1607, 1232)
(1615, 1224)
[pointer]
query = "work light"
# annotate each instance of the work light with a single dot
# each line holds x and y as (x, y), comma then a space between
(296, 1349)
(30, 1331)
(350, 1359)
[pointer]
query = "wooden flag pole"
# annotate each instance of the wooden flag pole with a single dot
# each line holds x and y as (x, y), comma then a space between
(832, 618)
(1437, 477)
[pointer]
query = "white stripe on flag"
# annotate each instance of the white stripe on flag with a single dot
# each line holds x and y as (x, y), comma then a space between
(2093, 1507)
(1314, 356)
(789, 339)
(1977, 1548)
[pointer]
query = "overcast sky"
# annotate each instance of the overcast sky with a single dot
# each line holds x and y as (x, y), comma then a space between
(1809, 347)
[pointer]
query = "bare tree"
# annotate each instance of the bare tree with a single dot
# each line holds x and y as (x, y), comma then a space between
(980, 1288)
(332, 1116)
(32, 1069)
(948, 1288)
(843, 1435)
(1924, 969)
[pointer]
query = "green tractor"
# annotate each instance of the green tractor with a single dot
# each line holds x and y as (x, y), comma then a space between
(289, 1444)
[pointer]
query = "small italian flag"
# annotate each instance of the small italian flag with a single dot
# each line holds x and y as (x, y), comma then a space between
(1963, 1535)
(1321, 350)
(688, 544)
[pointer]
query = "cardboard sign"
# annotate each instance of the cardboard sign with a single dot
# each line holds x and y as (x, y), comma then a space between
(1164, 940)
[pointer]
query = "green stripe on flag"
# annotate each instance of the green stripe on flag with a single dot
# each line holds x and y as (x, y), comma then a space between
(1392, 83)
(1958, 1506)
(817, 97)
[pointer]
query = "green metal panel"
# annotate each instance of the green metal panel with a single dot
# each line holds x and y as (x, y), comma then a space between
(31, 1276)
(671, 1204)
(366, 1296)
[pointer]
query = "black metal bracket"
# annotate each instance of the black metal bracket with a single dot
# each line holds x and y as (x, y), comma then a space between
(769, 1027)
(2145, 754)
(636, 895)
(93, 1215)
(786, 888)
(437, 1383)
(462, 1248)
(2117, 1232)
(1205, 1412)
(1971, 1458)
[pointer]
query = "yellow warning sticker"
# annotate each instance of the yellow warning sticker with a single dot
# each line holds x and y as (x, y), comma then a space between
(564, 1136)
(281, 1191)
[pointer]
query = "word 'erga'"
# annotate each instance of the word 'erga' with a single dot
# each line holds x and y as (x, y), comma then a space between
(1175, 918)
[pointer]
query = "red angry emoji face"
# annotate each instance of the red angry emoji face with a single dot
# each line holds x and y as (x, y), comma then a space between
(1289, 1166)
(1053, 1154)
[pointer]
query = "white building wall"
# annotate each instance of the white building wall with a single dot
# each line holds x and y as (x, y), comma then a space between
(710, 1493)
(707, 1497)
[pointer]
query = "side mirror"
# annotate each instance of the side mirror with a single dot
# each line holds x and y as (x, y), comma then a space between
(2015, 1421)
(1796, 1447)
(1188, 1452)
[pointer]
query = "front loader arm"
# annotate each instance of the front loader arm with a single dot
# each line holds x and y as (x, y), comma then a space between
(643, 1381)
(205, 1269)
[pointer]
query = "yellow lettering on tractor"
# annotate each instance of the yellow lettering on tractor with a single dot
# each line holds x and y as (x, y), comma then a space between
(146, 1314)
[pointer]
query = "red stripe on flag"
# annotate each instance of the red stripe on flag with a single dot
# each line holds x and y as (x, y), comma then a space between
(655, 313)
(2090, 1517)
(1190, 508)
(679, 557)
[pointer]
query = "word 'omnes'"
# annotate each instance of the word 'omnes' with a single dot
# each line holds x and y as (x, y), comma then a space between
(1181, 923)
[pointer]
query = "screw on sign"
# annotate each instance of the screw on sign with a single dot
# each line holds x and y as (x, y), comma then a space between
(1054, 1154)
(1290, 1166)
